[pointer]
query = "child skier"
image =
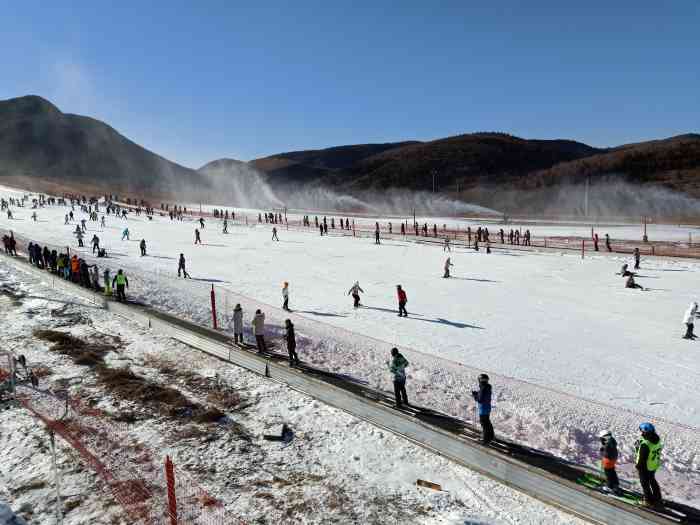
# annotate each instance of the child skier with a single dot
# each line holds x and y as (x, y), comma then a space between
(689, 319)
(448, 264)
(608, 460)
(355, 292)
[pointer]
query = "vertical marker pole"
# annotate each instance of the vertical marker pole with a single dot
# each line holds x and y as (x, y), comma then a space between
(172, 502)
(213, 307)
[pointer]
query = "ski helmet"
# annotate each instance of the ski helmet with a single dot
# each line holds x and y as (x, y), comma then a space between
(647, 427)
(483, 378)
(604, 434)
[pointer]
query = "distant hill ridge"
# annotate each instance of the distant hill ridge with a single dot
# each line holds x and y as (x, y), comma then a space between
(42, 146)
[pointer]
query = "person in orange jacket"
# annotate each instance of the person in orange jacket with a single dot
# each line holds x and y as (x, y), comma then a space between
(74, 268)
(608, 460)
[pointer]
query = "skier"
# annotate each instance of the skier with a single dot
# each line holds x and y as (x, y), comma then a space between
(608, 459)
(181, 267)
(125, 234)
(95, 243)
(238, 324)
(689, 320)
(274, 234)
(624, 272)
(376, 235)
(355, 292)
(201, 222)
(285, 296)
(66, 219)
(401, 294)
(483, 400)
(446, 247)
(291, 343)
(397, 367)
(226, 224)
(142, 246)
(607, 243)
(197, 238)
(259, 331)
(108, 282)
(636, 258)
(121, 282)
(648, 461)
(448, 263)
(631, 284)
(103, 224)
(79, 235)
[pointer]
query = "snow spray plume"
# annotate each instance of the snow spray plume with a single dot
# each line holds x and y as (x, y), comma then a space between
(237, 183)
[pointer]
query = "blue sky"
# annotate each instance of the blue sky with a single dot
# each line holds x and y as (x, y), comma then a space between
(195, 81)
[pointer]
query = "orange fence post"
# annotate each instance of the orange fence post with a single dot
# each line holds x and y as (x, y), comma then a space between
(170, 478)
(213, 308)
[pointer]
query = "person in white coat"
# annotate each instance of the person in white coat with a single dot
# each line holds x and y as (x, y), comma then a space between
(355, 292)
(448, 265)
(285, 296)
(259, 331)
(689, 319)
(238, 324)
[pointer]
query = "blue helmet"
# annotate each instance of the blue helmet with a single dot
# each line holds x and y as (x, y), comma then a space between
(647, 427)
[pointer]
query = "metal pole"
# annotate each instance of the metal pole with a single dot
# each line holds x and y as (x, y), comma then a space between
(57, 478)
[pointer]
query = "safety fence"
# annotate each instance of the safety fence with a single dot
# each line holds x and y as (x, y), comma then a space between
(524, 412)
(149, 489)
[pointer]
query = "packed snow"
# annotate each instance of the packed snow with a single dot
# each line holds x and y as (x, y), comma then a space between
(569, 349)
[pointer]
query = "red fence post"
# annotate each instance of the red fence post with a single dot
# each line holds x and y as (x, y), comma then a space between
(213, 308)
(172, 502)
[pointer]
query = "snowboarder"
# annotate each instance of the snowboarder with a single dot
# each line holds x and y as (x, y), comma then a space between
(259, 331)
(142, 246)
(689, 319)
(648, 460)
(125, 234)
(397, 366)
(448, 264)
(238, 324)
(355, 292)
(608, 460)
(285, 296)
(181, 267)
(636, 258)
(121, 282)
(291, 342)
(197, 238)
(483, 400)
(401, 295)
(274, 234)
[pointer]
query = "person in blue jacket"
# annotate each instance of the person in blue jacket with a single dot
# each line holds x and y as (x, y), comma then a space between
(483, 400)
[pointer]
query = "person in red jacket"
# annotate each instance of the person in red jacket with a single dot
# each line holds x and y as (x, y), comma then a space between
(402, 301)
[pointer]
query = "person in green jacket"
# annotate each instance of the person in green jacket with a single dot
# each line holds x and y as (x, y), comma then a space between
(397, 367)
(648, 461)
(121, 282)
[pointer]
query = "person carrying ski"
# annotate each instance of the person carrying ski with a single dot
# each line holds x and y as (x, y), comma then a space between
(274, 234)
(259, 331)
(636, 258)
(647, 461)
(608, 460)
(238, 324)
(397, 366)
(142, 246)
(483, 400)
(689, 319)
(355, 292)
(181, 267)
(285, 296)
(448, 264)
(121, 283)
(291, 342)
(403, 299)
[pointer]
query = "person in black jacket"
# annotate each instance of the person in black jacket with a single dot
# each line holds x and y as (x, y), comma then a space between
(648, 461)
(291, 343)
(483, 400)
